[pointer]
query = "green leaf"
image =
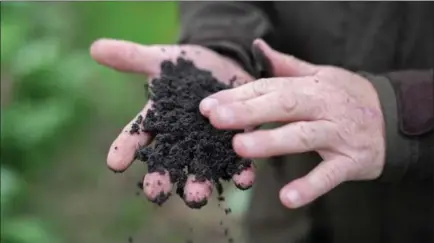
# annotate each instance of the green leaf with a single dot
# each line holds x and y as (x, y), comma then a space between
(27, 230)
(75, 71)
(30, 124)
(12, 37)
(9, 188)
(37, 55)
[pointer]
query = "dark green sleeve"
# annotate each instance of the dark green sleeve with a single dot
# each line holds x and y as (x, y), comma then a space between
(226, 27)
(407, 100)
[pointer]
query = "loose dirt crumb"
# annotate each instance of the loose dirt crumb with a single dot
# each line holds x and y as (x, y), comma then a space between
(140, 185)
(228, 211)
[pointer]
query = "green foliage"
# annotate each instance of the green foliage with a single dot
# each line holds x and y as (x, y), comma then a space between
(40, 109)
(48, 78)
(52, 92)
(42, 106)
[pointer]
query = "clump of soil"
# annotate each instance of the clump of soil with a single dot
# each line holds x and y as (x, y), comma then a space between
(184, 140)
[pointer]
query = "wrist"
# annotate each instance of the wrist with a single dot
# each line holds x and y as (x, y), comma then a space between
(399, 150)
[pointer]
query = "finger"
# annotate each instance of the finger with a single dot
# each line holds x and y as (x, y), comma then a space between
(298, 137)
(285, 107)
(196, 193)
(123, 149)
(326, 176)
(244, 92)
(245, 179)
(157, 187)
(285, 65)
(128, 56)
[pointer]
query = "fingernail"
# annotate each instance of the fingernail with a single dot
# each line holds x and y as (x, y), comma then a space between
(225, 115)
(293, 198)
(208, 103)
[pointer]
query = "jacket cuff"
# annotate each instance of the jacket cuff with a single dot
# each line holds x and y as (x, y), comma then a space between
(415, 97)
(400, 151)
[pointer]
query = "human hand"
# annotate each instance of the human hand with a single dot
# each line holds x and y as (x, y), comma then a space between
(131, 57)
(327, 109)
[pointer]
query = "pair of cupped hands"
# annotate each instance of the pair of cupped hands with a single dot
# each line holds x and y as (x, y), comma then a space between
(325, 109)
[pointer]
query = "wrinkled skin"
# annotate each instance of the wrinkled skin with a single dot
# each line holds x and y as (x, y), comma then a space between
(325, 109)
(130, 57)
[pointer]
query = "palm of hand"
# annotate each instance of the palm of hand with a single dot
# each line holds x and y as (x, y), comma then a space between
(134, 58)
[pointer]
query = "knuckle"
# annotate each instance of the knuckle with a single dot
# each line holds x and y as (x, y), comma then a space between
(286, 103)
(317, 101)
(261, 86)
(330, 176)
(306, 140)
(247, 107)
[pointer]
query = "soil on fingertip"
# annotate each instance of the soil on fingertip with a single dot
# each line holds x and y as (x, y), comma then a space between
(185, 143)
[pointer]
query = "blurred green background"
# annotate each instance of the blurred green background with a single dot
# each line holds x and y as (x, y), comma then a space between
(60, 112)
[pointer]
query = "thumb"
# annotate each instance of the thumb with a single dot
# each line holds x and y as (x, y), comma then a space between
(322, 179)
(127, 56)
(285, 65)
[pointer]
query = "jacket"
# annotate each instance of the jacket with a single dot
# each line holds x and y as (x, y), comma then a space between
(390, 43)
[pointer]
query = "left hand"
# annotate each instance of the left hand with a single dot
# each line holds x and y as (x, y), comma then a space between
(327, 109)
(131, 57)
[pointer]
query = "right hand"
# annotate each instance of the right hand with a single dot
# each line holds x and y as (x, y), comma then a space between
(135, 58)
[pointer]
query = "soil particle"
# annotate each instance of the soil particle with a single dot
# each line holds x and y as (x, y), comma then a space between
(135, 129)
(228, 210)
(219, 188)
(184, 141)
(139, 119)
(140, 185)
(161, 198)
(232, 80)
(195, 204)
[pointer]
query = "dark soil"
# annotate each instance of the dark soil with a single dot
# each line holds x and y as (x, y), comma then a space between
(184, 141)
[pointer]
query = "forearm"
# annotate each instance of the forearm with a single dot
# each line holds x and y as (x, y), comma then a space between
(407, 99)
(226, 27)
